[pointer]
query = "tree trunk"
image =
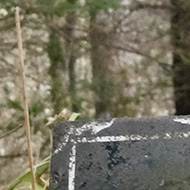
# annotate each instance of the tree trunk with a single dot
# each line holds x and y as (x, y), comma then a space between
(63, 63)
(180, 36)
(72, 83)
(71, 56)
(54, 51)
(100, 60)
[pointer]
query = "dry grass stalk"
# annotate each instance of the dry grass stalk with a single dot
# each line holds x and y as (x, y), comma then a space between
(26, 113)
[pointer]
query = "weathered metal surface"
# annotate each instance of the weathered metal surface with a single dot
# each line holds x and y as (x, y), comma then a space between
(122, 154)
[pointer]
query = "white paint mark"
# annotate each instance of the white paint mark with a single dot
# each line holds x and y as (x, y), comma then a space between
(138, 137)
(131, 138)
(94, 127)
(120, 138)
(162, 182)
(61, 145)
(182, 120)
(112, 139)
(103, 139)
(72, 166)
(154, 137)
(65, 140)
(186, 135)
(168, 136)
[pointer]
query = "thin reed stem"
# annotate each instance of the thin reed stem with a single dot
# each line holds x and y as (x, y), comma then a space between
(26, 113)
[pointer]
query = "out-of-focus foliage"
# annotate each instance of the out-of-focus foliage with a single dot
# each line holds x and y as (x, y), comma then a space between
(104, 5)
(39, 170)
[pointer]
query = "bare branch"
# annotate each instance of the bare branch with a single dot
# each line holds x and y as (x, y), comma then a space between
(140, 5)
(7, 46)
(10, 132)
(12, 156)
(165, 66)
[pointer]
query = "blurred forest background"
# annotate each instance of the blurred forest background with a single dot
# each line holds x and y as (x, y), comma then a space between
(123, 57)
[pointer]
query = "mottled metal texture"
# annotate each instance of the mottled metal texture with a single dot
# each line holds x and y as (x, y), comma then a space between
(122, 154)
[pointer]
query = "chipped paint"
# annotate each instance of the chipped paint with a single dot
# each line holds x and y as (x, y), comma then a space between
(162, 182)
(110, 139)
(61, 145)
(132, 137)
(103, 139)
(65, 140)
(154, 137)
(94, 127)
(166, 136)
(183, 120)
